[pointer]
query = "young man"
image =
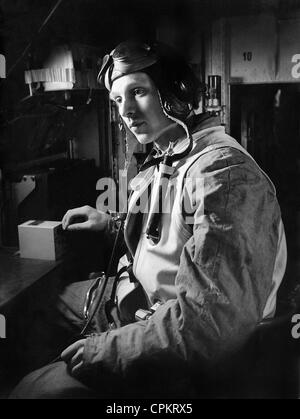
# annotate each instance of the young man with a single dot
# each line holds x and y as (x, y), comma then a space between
(208, 245)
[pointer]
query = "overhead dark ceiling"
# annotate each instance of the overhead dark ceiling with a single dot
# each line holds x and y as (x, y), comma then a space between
(104, 23)
(14, 8)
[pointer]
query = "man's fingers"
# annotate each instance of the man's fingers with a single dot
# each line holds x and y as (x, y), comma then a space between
(73, 357)
(79, 226)
(72, 214)
(85, 218)
(69, 352)
(76, 359)
(76, 370)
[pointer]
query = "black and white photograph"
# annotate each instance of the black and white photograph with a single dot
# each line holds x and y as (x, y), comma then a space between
(149, 202)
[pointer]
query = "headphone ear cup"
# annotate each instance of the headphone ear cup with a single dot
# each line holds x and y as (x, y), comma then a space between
(184, 81)
(177, 77)
(182, 88)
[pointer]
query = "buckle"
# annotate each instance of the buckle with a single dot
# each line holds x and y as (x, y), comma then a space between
(142, 314)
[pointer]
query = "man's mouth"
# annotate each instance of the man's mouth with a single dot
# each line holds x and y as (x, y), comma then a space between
(136, 124)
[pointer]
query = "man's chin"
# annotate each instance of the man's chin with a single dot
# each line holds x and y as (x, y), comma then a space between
(144, 139)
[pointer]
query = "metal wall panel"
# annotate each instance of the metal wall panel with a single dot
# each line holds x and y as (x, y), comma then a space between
(253, 45)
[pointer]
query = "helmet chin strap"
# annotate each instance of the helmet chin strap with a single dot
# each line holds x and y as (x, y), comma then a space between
(165, 162)
(151, 161)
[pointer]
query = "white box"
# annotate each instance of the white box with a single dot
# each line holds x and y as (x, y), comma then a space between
(41, 240)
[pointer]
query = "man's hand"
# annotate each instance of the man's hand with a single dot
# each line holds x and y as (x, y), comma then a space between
(92, 219)
(73, 357)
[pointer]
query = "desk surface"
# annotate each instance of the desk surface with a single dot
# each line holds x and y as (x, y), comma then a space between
(17, 274)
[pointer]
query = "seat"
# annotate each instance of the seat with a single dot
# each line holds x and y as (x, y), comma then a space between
(266, 367)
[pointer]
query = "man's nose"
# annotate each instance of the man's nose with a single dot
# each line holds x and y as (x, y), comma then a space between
(127, 108)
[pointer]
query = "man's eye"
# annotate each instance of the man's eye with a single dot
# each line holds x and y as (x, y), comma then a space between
(118, 100)
(139, 91)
